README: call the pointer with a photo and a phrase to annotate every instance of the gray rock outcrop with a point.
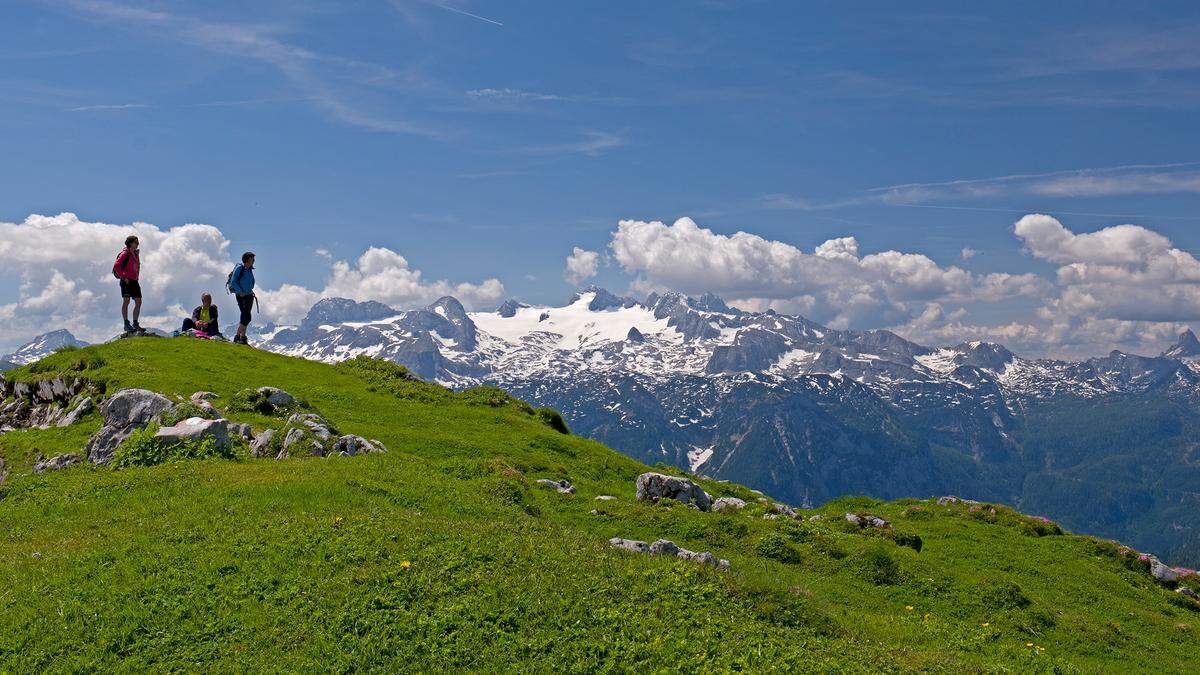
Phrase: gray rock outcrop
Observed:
(668, 548)
(84, 407)
(866, 520)
(1162, 572)
(350, 445)
(785, 510)
(312, 423)
(127, 411)
(630, 545)
(655, 486)
(261, 446)
(276, 397)
(56, 463)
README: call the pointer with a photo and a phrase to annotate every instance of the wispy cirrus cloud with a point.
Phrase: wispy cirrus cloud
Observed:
(115, 106)
(337, 85)
(1129, 179)
(508, 95)
(593, 144)
(464, 12)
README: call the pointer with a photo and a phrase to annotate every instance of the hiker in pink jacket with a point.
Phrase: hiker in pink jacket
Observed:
(127, 268)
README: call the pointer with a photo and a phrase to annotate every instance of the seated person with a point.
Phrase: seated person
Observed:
(204, 317)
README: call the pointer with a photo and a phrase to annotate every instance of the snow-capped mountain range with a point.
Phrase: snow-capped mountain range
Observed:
(39, 347)
(808, 413)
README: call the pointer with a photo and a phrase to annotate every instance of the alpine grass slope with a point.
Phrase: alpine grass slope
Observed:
(807, 413)
(446, 552)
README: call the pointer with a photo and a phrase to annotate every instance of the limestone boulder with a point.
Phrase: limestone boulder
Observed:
(728, 504)
(127, 411)
(655, 486)
(197, 429)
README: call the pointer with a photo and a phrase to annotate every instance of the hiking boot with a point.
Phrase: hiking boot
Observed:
(136, 327)
(128, 327)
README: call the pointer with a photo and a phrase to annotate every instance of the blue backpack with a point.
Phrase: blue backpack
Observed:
(230, 279)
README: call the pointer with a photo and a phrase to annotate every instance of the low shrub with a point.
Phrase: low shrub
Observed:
(377, 371)
(879, 566)
(251, 400)
(775, 546)
(1037, 526)
(828, 547)
(917, 513)
(1000, 595)
(512, 491)
(184, 411)
(553, 419)
(1106, 548)
(143, 448)
(912, 541)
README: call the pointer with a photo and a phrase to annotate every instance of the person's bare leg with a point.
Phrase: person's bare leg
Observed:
(137, 309)
(125, 310)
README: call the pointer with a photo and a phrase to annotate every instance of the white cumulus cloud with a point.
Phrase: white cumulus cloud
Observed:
(581, 265)
(835, 284)
(62, 266)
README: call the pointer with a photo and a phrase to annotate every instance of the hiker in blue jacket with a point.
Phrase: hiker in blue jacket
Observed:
(241, 284)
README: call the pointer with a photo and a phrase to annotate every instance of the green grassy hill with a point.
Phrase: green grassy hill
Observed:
(444, 552)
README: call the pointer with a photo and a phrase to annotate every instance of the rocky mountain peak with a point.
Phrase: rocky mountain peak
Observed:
(333, 311)
(449, 319)
(986, 355)
(1187, 346)
(709, 302)
(603, 299)
(508, 308)
(42, 346)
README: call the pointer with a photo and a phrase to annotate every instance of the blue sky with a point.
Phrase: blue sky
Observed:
(486, 140)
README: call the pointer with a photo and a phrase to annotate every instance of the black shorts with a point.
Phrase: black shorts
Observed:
(245, 304)
(130, 288)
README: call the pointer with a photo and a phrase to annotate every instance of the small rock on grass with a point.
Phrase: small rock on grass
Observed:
(630, 545)
(564, 486)
(866, 520)
(668, 548)
(276, 397)
(606, 498)
(730, 503)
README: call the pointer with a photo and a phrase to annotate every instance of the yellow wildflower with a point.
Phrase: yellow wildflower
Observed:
(404, 564)
(985, 624)
(908, 607)
(1028, 644)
